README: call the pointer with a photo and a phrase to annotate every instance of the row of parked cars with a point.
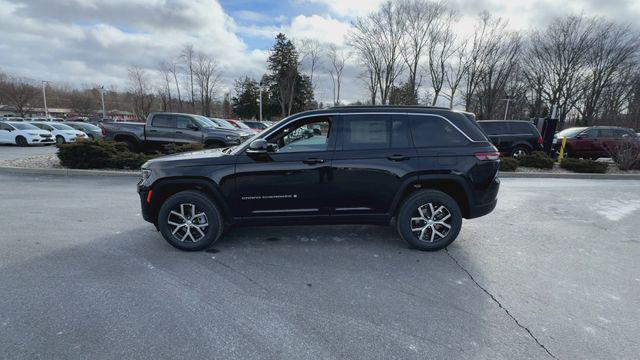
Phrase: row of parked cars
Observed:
(517, 138)
(35, 131)
(165, 127)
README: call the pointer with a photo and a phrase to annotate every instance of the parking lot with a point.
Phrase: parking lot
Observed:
(553, 272)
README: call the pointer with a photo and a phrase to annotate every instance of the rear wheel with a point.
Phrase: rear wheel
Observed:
(429, 220)
(131, 145)
(519, 151)
(21, 141)
(190, 221)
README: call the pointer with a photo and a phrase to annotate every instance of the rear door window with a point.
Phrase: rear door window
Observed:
(167, 121)
(430, 131)
(606, 133)
(494, 128)
(366, 132)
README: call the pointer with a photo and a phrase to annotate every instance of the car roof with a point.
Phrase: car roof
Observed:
(506, 121)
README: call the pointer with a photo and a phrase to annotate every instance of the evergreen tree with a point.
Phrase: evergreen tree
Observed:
(245, 103)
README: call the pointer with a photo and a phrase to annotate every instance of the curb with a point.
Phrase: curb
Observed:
(542, 175)
(67, 172)
(503, 175)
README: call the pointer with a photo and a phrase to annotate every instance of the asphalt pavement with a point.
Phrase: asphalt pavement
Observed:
(12, 152)
(553, 272)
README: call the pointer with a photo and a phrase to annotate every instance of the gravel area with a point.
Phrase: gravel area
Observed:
(34, 162)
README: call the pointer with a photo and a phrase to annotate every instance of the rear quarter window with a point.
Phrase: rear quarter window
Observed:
(494, 128)
(163, 121)
(431, 131)
(521, 129)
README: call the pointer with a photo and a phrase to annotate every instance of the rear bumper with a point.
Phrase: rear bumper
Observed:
(487, 200)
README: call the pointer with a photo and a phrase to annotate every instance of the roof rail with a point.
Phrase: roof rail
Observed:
(389, 106)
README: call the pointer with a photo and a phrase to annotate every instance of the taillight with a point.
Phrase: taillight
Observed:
(488, 156)
(539, 140)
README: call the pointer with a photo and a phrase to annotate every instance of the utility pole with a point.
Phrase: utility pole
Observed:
(260, 100)
(44, 96)
(506, 110)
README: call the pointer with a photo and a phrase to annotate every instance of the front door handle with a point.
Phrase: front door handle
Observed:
(178, 132)
(153, 130)
(397, 157)
(313, 161)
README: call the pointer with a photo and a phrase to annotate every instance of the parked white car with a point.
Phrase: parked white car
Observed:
(61, 132)
(23, 134)
(40, 119)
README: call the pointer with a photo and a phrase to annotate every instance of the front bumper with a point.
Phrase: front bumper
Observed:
(40, 140)
(146, 208)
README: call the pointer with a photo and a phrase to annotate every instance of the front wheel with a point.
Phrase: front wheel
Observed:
(429, 220)
(21, 141)
(190, 221)
(60, 140)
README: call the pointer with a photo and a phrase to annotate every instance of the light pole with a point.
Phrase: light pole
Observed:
(104, 112)
(260, 101)
(44, 96)
(506, 109)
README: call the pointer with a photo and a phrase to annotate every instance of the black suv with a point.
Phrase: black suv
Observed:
(513, 137)
(426, 167)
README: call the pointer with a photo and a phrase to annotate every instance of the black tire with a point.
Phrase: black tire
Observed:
(519, 151)
(196, 241)
(131, 145)
(60, 140)
(410, 210)
(21, 141)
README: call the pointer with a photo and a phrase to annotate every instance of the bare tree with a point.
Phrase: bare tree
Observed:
(420, 20)
(188, 56)
(377, 39)
(174, 68)
(310, 51)
(164, 68)
(456, 70)
(141, 92)
(83, 102)
(337, 59)
(558, 54)
(19, 92)
(441, 49)
(614, 49)
(207, 76)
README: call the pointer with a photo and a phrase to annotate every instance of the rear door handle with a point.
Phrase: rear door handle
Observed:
(178, 132)
(397, 157)
(153, 130)
(313, 161)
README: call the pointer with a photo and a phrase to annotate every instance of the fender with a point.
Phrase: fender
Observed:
(412, 180)
(172, 185)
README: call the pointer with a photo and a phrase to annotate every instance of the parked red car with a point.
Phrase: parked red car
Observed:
(241, 125)
(594, 142)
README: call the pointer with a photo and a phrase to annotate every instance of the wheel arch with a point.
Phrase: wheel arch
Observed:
(451, 185)
(165, 188)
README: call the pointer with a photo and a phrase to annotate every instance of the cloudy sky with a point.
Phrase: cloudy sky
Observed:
(88, 42)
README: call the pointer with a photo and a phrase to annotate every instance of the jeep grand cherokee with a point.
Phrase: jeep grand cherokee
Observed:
(426, 167)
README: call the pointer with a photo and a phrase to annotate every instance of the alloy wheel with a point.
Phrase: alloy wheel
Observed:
(519, 152)
(187, 223)
(431, 222)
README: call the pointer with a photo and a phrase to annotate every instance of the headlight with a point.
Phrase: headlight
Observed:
(32, 134)
(146, 173)
(231, 137)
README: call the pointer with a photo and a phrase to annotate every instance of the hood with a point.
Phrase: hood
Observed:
(192, 158)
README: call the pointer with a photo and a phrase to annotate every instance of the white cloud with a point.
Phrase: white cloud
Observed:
(350, 8)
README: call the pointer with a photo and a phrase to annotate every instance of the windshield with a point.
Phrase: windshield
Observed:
(61, 127)
(204, 122)
(571, 132)
(241, 125)
(223, 123)
(23, 126)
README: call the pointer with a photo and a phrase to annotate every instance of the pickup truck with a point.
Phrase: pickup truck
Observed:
(164, 128)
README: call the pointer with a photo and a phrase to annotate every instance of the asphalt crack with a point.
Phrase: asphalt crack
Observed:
(500, 305)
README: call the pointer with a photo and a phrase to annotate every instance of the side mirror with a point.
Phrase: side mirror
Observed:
(193, 127)
(258, 146)
(579, 137)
